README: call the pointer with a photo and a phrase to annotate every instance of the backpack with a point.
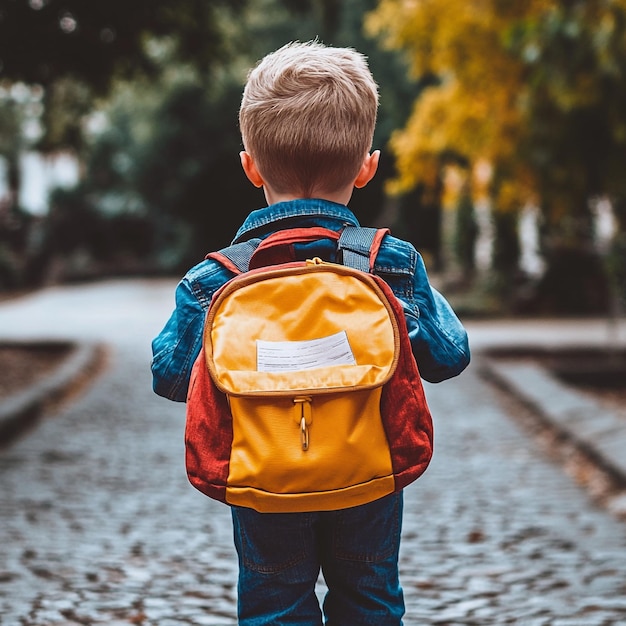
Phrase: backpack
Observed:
(305, 395)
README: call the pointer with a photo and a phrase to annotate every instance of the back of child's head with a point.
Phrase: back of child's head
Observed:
(307, 117)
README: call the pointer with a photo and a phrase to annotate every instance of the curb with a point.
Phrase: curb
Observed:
(23, 409)
(590, 426)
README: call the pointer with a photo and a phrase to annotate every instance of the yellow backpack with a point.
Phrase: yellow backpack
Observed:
(306, 395)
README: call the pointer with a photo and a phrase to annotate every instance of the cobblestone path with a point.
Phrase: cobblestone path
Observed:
(98, 524)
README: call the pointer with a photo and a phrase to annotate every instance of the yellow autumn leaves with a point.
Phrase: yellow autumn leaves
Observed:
(504, 71)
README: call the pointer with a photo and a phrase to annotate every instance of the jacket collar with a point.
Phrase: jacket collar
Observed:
(270, 218)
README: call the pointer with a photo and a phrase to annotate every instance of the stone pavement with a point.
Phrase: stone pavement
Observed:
(587, 424)
(98, 524)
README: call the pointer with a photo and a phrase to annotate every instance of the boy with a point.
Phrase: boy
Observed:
(307, 120)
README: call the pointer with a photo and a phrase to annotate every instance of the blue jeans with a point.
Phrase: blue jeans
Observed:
(280, 556)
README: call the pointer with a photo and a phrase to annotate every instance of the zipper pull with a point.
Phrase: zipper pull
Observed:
(315, 261)
(304, 417)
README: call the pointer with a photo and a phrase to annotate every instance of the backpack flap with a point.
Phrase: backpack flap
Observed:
(315, 327)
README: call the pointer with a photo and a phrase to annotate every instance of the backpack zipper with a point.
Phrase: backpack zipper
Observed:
(304, 416)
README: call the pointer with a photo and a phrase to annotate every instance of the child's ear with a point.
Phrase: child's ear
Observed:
(249, 167)
(368, 169)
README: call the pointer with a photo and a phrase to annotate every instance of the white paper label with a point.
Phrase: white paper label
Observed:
(294, 356)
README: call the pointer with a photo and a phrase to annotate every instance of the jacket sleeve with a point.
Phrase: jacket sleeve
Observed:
(176, 347)
(440, 342)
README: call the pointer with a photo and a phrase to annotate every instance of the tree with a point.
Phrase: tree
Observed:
(42, 41)
(11, 143)
(165, 146)
(76, 53)
(19, 108)
(75, 49)
(171, 147)
(536, 88)
(468, 108)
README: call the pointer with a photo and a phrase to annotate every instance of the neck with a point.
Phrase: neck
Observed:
(341, 197)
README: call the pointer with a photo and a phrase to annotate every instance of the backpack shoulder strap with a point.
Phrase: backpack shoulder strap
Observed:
(357, 247)
(236, 257)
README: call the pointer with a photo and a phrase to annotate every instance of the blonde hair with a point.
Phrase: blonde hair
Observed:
(307, 117)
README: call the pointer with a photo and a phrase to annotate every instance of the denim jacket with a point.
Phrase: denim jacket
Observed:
(438, 338)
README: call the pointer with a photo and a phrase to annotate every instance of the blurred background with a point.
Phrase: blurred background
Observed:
(502, 127)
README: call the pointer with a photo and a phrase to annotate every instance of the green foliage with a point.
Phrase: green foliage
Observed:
(146, 94)
(81, 241)
(190, 167)
(42, 41)
(67, 102)
(170, 149)
(168, 153)
(575, 60)
(10, 126)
